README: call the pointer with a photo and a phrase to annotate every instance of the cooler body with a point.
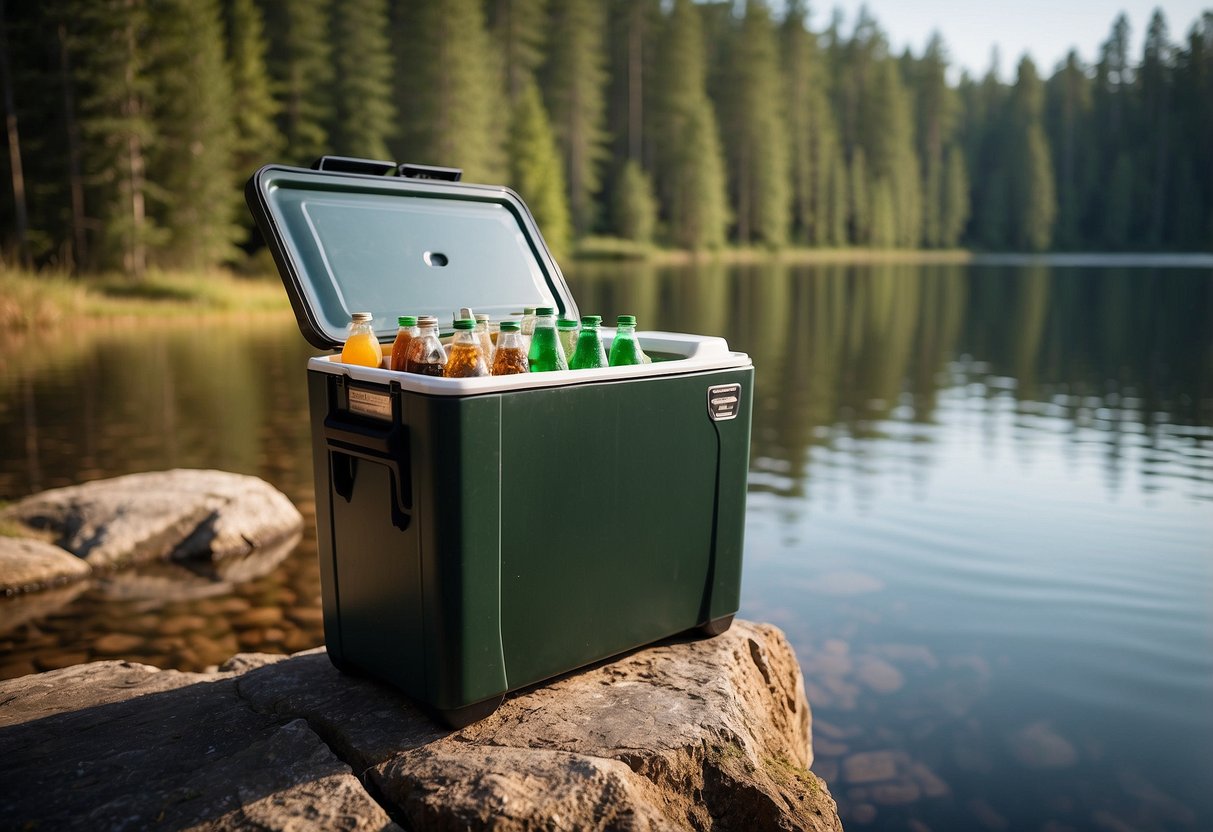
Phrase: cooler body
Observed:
(474, 544)
(480, 535)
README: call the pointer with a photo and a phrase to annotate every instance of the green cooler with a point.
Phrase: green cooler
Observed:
(480, 535)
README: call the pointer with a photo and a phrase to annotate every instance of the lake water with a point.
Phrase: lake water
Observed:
(980, 506)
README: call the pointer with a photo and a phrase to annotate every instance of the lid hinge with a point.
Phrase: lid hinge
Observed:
(351, 164)
(430, 172)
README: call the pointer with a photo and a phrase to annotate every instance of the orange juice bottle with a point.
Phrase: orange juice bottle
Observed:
(362, 347)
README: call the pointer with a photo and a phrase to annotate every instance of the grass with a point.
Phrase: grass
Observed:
(32, 300)
(614, 248)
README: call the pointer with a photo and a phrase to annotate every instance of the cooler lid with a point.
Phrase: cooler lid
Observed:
(393, 245)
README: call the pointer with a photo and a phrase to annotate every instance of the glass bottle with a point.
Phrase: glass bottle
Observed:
(545, 352)
(566, 329)
(590, 352)
(466, 359)
(426, 355)
(361, 345)
(510, 356)
(482, 334)
(528, 322)
(625, 349)
(400, 347)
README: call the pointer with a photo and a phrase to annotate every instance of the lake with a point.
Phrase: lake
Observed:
(980, 506)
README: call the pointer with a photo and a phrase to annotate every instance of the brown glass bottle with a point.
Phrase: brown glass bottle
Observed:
(465, 359)
(426, 355)
(404, 336)
(509, 357)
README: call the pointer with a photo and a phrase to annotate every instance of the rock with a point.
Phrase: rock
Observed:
(115, 644)
(879, 675)
(180, 514)
(165, 750)
(1039, 746)
(870, 767)
(704, 734)
(27, 565)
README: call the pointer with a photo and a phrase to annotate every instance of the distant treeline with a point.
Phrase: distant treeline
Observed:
(131, 125)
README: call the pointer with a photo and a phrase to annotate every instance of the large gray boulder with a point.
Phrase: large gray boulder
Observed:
(687, 735)
(213, 516)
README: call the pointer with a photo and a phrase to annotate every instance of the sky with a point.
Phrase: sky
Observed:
(1046, 29)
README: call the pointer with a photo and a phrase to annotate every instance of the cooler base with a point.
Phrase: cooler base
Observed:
(716, 626)
(465, 716)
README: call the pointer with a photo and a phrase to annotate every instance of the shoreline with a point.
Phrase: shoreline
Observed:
(30, 300)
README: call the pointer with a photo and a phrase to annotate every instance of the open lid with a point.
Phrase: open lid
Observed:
(395, 245)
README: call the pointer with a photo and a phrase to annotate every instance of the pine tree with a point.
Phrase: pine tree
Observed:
(954, 199)
(574, 84)
(1155, 101)
(519, 34)
(634, 209)
(535, 170)
(935, 118)
(253, 108)
(1192, 218)
(1118, 202)
(690, 180)
(448, 88)
(1068, 115)
(859, 199)
(1032, 199)
(987, 146)
(874, 117)
(191, 160)
(117, 127)
(362, 88)
(755, 137)
(301, 66)
(812, 135)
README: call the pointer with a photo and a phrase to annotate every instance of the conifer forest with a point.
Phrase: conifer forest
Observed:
(132, 125)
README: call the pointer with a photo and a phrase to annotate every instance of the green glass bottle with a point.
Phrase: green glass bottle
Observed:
(590, 352)
(566, 328)
(546, 354)
(625, 349)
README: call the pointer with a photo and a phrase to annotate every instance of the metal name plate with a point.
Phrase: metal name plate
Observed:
(370, 403)
(724, 402)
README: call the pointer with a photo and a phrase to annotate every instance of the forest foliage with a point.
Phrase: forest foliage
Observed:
(131, 125)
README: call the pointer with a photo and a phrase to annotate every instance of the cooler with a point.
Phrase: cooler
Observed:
(480, 535)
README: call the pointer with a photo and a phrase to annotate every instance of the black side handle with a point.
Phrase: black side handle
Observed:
(380, 440)
(351, 164)
(430, 172)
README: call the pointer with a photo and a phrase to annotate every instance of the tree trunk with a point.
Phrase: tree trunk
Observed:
(14, 148)
(74, 154)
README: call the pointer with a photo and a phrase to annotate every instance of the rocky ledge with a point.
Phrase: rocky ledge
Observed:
(710, 734)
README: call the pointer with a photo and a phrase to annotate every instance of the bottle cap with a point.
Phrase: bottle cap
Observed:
(510, 326)
(545, 310)
(427, 320)
(626, 320)
(362, 317)
(465, 323)
(406, 320)
(528, 310)
(482, 318)
(591, 320)
(566, 323)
